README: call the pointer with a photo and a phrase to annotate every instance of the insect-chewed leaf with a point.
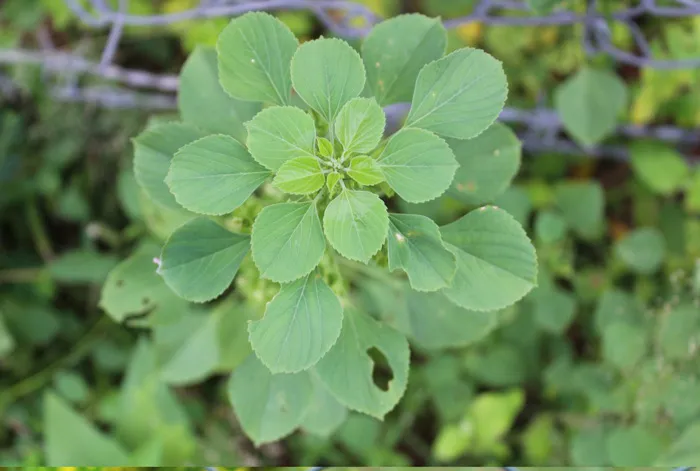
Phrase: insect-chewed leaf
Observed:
(279, 134)
(396, 50)
(365, 170)
(360, 125)
(268, 406)
(200, 259)
(326, 74)
(153, 151)
(415, 246)
(287, 241)
(204, 103)
(347, 369)
(300, 176)
(496, 263)
(300, 325)
(214, 175)
(460, 95)
(255, 51)
(589, 104)
(418, 165)
(356, 224)
(487, 164)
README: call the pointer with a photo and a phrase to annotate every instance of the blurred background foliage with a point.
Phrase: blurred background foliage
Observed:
(597, 367)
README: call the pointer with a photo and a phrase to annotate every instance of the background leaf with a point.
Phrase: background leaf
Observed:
(660, 167)
(643, 249)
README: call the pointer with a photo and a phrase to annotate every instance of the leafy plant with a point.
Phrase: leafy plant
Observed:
(287, 159)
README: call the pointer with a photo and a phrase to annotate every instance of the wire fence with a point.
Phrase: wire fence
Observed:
(540, 128)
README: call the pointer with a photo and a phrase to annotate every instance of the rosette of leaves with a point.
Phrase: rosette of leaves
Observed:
(307, 122)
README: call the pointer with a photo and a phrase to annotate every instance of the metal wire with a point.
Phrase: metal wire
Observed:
(128, 88)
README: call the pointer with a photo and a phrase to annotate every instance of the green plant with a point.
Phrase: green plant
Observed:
(309, 118)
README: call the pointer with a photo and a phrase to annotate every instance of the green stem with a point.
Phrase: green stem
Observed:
(20, 275)
(36, 226)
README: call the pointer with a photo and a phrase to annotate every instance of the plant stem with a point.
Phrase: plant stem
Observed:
(20, 275)
(41, 239)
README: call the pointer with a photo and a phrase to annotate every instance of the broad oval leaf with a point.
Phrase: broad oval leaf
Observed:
(487, 164)
(287, 241)
(589, 104)
(204, 103)
(360, 126)
(460, 95)
(347, 368)
(153, 151)
(300, 176)
(643, 250)
(659, 166)
(415, 246)
(254, 53)
(200, 259)
(365, 170)
(496, 263)
(301, 323)
(279, 134)
(327, 73)
(268, 406)
(396, 50)
(214, 175)
(356, 224)
(418, 165)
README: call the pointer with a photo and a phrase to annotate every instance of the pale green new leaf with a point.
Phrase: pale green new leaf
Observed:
(487, 164)
(360, 125)
(204, 103)
(332, 180)
(214, 175)
(589, 104)
(396, 50)
(496, 263)
(200, 259)
(268, 406)
(418, 165)
(356, 224)
(287, 241)
(254, 53)
(325, 414)
(347, 368)
(300, 176)
(153, 151)
(365, 170)
(415, 246)
(327, 73)
(279, 134)
(301, 323)
(460, 95)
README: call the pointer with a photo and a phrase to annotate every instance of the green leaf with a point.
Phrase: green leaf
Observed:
(300, 325)
(418, 165)
(496, 263)
(678, 332)
(624, 345)
(214, 175)
(365, 170)
(659, 166)
(684, 450)
(589, 104)
(633, 446)
(300, 176)
(332, 181)
(201, 258)
(81, 266)
(396, 50)
(268, 406)
(554, 308)
(487, 164)
(279, 134)
(347, 369)
(415, 246)
(617, 306)
(327, 73)
(153, 150)
(582, 205)
(491, 415)
(7, 342)
(325, 147)
(550, 226)
(643, 249)
(356, 224)
(360, 125)
(204, 103)
(325, 414)
(589, 447)
(85, 445)
(255, 51)
(460, 95)
(287, 241)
